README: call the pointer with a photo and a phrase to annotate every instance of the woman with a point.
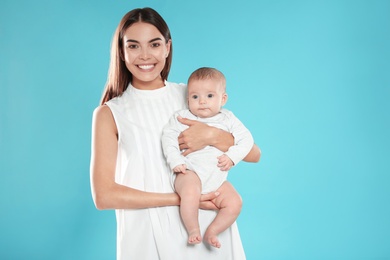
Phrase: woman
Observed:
(128, 170)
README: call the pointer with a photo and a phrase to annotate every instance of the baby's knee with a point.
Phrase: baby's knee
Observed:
(232, 204)
(236, 203)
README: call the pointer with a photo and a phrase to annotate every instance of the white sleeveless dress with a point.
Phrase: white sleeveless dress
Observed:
(156, 233)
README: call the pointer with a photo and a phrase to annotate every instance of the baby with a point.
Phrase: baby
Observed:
(205, 170)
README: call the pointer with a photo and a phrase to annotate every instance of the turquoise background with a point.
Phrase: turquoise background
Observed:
(310, 79)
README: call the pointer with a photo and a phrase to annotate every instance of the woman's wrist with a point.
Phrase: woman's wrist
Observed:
(213, 136)
(221, 139)
(174, 199)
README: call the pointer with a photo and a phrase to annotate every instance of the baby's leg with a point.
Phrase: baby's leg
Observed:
(230, 203)
(188, 187)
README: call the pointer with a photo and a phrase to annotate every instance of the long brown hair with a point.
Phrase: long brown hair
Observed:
(119, 76)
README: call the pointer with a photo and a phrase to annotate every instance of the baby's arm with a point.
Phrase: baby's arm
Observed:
(242, 138)
(224, 162)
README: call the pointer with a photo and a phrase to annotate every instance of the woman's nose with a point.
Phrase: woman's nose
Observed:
(144, 54)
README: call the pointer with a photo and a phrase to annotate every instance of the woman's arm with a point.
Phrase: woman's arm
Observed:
(253, 155)
(107, 194)
(198, 135)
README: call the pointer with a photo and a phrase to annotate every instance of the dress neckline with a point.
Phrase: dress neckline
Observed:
(147, 93)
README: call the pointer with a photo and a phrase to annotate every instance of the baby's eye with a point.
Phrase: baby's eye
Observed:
(210, 95)
(194, 96)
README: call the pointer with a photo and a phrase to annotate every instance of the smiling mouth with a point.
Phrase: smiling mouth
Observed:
(146, 67)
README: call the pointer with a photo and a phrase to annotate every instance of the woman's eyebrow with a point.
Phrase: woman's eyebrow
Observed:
(155, 39)
(130, 40)
(152, 40)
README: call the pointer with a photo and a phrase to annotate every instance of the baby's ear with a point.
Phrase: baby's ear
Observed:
(224, 99)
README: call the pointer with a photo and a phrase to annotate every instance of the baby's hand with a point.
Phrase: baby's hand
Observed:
(224, 162)
(180, 168)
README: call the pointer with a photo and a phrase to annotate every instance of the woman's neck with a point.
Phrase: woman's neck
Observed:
(148, 85)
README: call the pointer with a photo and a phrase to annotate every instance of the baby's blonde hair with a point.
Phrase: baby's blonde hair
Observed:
(208, 73)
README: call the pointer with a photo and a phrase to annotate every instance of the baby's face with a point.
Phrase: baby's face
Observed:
(206, 97)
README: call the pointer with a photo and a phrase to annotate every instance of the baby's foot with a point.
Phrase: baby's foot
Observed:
(194, 237)
(212, 239)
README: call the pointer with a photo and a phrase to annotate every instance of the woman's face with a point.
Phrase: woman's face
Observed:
(145, 52)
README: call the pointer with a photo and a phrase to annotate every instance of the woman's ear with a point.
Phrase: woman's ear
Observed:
(168, 46)
(121, 56)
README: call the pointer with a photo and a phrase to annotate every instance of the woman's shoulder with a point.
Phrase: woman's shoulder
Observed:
(102, 115)
(118, 104)
(175, 85)
(102, 111)
(180, 87)
(115, 100)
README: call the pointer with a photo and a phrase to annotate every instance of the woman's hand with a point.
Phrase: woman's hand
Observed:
(207, 201)
(198, 135)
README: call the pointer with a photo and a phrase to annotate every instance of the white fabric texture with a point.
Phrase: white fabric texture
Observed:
(156, 233)
(204, 162)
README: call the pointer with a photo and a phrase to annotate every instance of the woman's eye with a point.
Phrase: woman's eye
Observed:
(156, 44)
(133, 46)
(210, 95)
